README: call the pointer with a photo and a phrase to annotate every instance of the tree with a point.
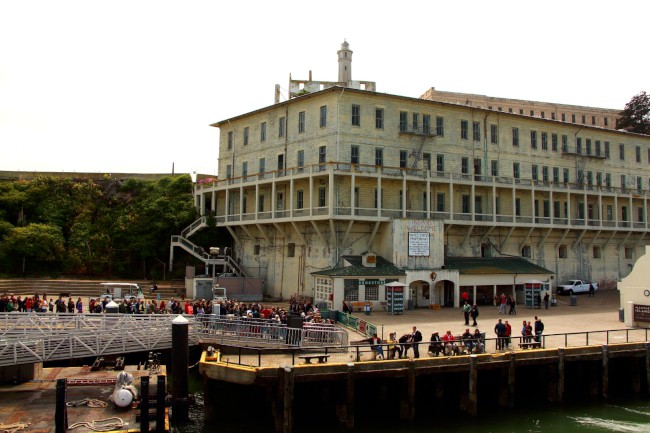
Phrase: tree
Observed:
(636, 115)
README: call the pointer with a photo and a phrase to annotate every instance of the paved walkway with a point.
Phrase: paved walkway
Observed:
(590, 314)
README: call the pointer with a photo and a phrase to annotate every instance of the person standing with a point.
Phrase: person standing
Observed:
(539, 329)
(502, 305)
(417, 338)
(592, 289)
(466, 310)
(546, 301)
(500, 330)
(513, 305)
(508, 333)
(474, 314)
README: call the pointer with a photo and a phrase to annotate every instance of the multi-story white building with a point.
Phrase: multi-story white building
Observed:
(341, 171)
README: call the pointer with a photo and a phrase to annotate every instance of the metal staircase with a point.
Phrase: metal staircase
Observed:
(227, 264)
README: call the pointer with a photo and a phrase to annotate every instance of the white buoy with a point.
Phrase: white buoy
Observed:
(123, 398)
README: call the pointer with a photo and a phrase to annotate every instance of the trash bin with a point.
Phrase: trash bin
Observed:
(411, 304)
(574, 300)
(553, 301)
(621, 315)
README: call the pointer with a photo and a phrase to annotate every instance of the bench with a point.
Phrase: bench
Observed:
(373, 352)
(359, 306)
(322, 359)
(531, 345)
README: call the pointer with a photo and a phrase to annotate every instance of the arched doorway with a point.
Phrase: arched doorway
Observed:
(443, 293)
(420, 293)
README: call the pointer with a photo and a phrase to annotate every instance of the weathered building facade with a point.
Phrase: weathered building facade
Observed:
(337, 171)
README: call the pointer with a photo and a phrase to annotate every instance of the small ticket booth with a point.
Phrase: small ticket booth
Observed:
(534, 292)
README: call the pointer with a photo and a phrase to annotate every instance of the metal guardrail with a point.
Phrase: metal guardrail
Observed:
(268, 333)
(39, 337)
(356, 323)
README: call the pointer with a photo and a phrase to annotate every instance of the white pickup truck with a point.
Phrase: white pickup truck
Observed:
(575, 286)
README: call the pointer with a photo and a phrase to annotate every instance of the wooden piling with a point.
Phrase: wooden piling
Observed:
(61, 411)
(472, 398)
(349, 404)
(286, 383)
(560, 375)
(180, 369)
(646, 346)
(511, 381)
(161, 389)
(144, 404)
(605, 372)
(407, 407)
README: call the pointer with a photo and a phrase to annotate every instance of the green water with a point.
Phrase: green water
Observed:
(628, 416)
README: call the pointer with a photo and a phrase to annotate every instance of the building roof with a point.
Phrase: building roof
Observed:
(384, 268)
(498, 265)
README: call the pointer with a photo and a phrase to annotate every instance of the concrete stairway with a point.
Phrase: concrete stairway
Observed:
(80, 288)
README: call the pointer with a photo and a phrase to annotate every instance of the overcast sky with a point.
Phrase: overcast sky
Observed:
(132, 86)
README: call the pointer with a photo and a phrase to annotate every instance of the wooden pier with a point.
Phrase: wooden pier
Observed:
(471, 384)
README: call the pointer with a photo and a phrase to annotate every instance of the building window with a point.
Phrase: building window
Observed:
(356, 197)
(465, 203)
(351, 290)
(515, 170)
(563, 117)
(260, 203)
(244, 169)
(403, 155)
(565, 175)
(322, 154)
(279, 201)
(301, 160)
(379, 118)
(440, 163)
(262, 165)
(532, 112)
(281, 126)
(544, 141)
(416, 121)
(607, 150)
(534, 171)
(263, 131)
(608, 180)
(593, 120)
(579, 145)
(606, 120)
(403, 121)
(598, 149)
(545, 174)
(599, 179)
(562, 252)
(526, 251)
(621, 152)
(356, 115)
(638, 153)
(476, 131)
(521, 111)
(590, 178)
(623, 182)
(494, 134)
(573, 118)
(246, 135)
(280, 162)
(565, 143)
(256, 249)
(426, 124)
(372, 292)
(354, 154)
(554, 142)
(379, 156)
(230, 139)
(440, 202)
(323, 116)
(629, 253)
(464, 165)
(639, 214)
(556, 209)
(426, 161)
(301, 121)
(494, 165)
(556, 175)
(515, 136)
(228, 171)
(517, 206)
(440, 129)
(533, 139)
(300, 199)
(584, 119)
(291, 249)
(588, 146)
(543, 115)
(463, 129)
(321, 197)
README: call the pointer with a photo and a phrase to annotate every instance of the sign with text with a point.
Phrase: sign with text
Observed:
(642, 313)
(418, 244)
(371, 282)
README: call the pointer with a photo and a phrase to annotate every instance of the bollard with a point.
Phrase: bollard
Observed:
(180, 368)
(61, 411)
